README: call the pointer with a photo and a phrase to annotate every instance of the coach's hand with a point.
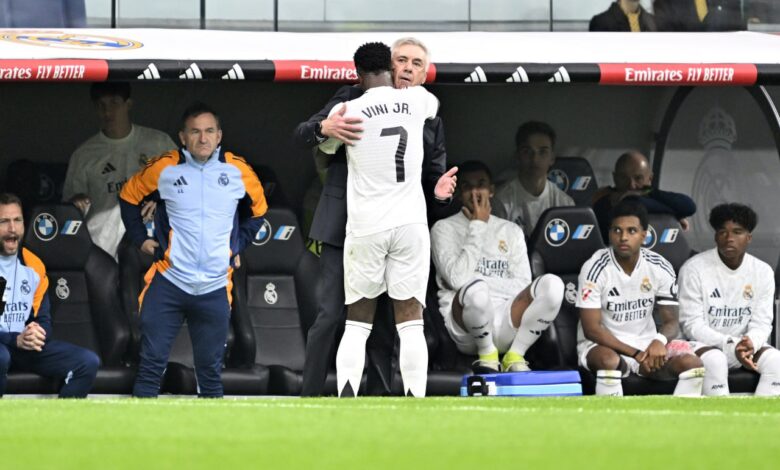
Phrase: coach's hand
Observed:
(344, 129)
(446, 185)
(149, 246)
(147, 211)
(82, 202)
(31, 338)
(744, 351)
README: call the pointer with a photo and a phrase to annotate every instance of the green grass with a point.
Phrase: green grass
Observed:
(474, 433)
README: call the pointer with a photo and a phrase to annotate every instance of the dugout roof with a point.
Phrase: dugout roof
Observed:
(667, 59)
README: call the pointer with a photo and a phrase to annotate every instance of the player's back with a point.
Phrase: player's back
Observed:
(384, 187)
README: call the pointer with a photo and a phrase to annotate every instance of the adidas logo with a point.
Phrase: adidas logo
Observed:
(561, 76)
(518, 76)
(150, 73)
(192, 73)
(180, 182)
(108, 169)
(715, 294)
(614, 292)
(235, 73)
(477, 76)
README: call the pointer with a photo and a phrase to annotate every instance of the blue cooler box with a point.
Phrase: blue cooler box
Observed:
(523, 384)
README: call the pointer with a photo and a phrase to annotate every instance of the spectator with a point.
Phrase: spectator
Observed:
(623, 15)
(101, 165)
(633, 177)
(699, 15)
(523, 199)
(487, 297)
(619, 287)
(26, 342)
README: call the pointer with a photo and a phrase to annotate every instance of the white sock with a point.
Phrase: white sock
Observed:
(547, 292)
(689, 383)
(609, 382)
(769, 368)
(351, 356)
(413, 357)
(716, 373)
(478, 315)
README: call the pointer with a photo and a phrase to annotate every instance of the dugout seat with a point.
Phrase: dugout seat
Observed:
(83, 283)
(665, 237)
(575, 176)
(179, 379)
(273, 289)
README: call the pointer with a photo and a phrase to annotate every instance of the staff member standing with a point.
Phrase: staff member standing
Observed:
(210, 204)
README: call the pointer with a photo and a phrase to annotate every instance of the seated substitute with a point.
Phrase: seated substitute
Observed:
(523, 199)
(104, 162)
(618, 288)
(623, 15)
(633, 177)
(25, 324)
(486, 295)
(726, 300)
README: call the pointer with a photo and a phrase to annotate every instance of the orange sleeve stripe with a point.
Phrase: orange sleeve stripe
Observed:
(145, 181)
(35, 263)
(251, 182)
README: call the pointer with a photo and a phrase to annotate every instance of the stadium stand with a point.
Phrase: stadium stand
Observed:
(83, 281)
(575, 176)
(273, 290)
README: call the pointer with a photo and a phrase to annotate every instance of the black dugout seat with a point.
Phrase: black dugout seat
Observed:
(665, 237)
(575, 176)
(563, 240)
(83, 283)
(179, 379)
(274, 289)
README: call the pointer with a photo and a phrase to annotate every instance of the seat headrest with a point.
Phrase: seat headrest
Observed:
(665, 237)
(575, 176)
(58, 235)
(565, 237)
(278, 245)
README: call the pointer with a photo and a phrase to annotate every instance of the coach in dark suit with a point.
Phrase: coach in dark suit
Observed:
(410, 65)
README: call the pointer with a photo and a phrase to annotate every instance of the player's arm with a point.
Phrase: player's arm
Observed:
(520, 273)
(595, 331)
(456, 259)
(693, 315)
(306, 133)
(760, 325)
(76, 186)
(679, 204)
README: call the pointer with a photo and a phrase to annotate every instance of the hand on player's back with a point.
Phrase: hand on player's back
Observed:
(344, 129)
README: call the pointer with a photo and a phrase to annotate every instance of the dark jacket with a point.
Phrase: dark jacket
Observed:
(330, 218)
(615, 20)
(680, 15)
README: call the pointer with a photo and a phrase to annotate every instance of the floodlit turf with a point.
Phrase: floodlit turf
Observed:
(474, 433)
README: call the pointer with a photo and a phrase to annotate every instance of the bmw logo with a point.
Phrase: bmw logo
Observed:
(650, 238)
(45, 227)
(560, 178)
(557, 232)
(264, 234)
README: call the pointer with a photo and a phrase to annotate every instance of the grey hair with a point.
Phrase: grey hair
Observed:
(414, 42)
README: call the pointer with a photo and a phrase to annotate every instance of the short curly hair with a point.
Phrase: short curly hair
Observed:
(735, 212)
(373, 57)
(630, 206)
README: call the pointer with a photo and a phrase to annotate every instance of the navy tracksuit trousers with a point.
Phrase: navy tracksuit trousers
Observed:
(75, 366)
(164, 309)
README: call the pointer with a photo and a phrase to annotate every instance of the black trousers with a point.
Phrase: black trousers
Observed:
(325, 334)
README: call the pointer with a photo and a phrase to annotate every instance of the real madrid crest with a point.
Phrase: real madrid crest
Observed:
(62, 290)
(646, 286)
(747, 292)
(502, 246)
(571, 293)
(270, 295)
(223, 179)
(25, 287)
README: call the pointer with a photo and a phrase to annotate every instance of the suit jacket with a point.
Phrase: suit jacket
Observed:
(330, 217)
(680, 15)
(615, 20)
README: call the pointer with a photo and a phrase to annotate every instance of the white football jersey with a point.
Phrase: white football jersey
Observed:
(493, 251)
(514, 203)
(626, 302)
(384, 187)
(717, 303)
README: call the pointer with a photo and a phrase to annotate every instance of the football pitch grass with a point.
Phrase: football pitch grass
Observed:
(474, 433)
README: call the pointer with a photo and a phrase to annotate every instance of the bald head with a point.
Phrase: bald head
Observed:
(632, 172)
